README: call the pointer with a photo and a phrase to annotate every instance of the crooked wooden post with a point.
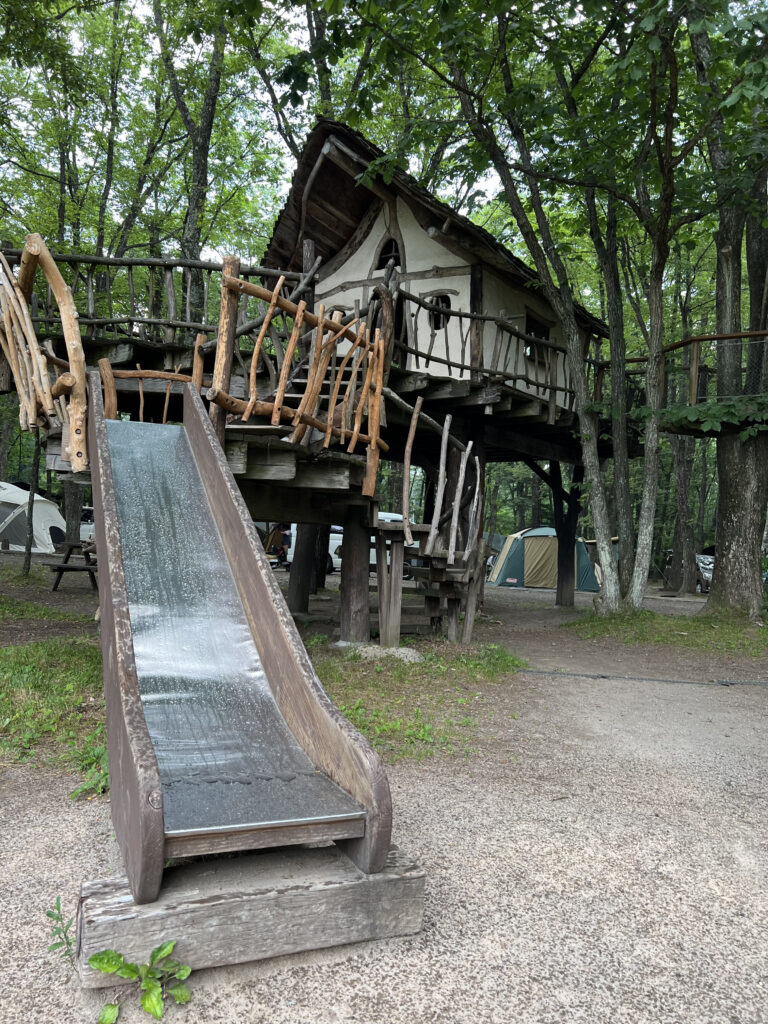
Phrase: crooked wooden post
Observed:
(693, 386)
(225, 347)
(70, 323)
(355, 617)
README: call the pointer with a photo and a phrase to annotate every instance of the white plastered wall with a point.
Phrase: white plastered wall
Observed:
(423, 256)
(499, 297)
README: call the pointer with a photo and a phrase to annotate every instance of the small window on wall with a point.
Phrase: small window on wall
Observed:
(439, 320)
(389, 250)
(538, 329)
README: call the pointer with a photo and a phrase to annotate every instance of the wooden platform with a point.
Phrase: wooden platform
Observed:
(251, 907)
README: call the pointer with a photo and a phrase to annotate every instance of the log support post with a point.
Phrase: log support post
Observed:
(432, 608)
(453, 607)
(225, 345)
(693, 386)
(320, 568)
(355, 616)
(390, 579)
(300, 581)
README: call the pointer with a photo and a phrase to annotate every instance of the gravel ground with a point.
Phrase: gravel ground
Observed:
(601, 858)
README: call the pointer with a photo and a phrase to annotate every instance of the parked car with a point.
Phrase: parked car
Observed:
(335, 542)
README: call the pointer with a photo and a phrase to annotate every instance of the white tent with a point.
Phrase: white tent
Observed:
(49, 525)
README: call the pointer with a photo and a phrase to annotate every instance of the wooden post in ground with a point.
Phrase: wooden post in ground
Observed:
(390, 577)
(452, 619)
(300, 581)
(320, 568)
(225, 346)
(33, 482)
(475, 591)
(432, 608)
(355, 617)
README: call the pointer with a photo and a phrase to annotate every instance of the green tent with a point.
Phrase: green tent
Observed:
(529, 559)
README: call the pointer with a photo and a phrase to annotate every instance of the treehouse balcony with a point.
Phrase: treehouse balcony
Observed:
(710, 383)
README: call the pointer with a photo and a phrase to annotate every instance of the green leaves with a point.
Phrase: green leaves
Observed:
(161, 952)
(159, 977)
(152, 1001)
(63, 942)
(109, 1013)
(180, 993)
(746, 415)
(108, 961)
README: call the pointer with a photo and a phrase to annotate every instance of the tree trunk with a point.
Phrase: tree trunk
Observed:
(607, 250)
(743, 493)
(684, 556)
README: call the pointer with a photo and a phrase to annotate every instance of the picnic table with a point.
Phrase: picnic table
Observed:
(86, 564)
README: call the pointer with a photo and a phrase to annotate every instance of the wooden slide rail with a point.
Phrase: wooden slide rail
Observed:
(42, 403)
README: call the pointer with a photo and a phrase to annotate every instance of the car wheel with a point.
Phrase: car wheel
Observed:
(329, 566)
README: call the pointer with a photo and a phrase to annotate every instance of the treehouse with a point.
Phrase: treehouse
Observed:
(471, 326)
(382, 325)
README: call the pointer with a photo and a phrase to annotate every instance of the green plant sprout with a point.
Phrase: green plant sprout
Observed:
(161, 976)
(63, 942)
(93, 759)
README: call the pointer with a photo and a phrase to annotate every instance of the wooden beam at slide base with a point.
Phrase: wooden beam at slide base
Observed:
(488, 395)
(251, 907)
(408, 382)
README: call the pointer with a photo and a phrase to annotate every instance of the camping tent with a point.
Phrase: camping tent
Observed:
(529, 559)
(49, 525)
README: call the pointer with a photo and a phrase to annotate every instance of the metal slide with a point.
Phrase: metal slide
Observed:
(218, 757)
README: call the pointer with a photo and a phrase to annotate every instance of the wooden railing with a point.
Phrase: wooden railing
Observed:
(44, 402)
(155, 303)
(689, 369)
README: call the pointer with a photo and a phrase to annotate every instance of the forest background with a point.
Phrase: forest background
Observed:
(621, 148)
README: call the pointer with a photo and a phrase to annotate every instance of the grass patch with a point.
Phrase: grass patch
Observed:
(695, 632)
(12, 609)
(415, 709)
(12, 576)
(51, 701)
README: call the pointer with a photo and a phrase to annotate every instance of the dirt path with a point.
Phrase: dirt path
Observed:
(600, 856)
(528, 624)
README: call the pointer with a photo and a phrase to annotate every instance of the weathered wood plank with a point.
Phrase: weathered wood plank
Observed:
(251, 908)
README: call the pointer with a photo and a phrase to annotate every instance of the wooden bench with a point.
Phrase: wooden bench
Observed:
(88, 564)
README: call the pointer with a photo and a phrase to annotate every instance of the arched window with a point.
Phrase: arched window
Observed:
(438, 320)
(389, 249)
